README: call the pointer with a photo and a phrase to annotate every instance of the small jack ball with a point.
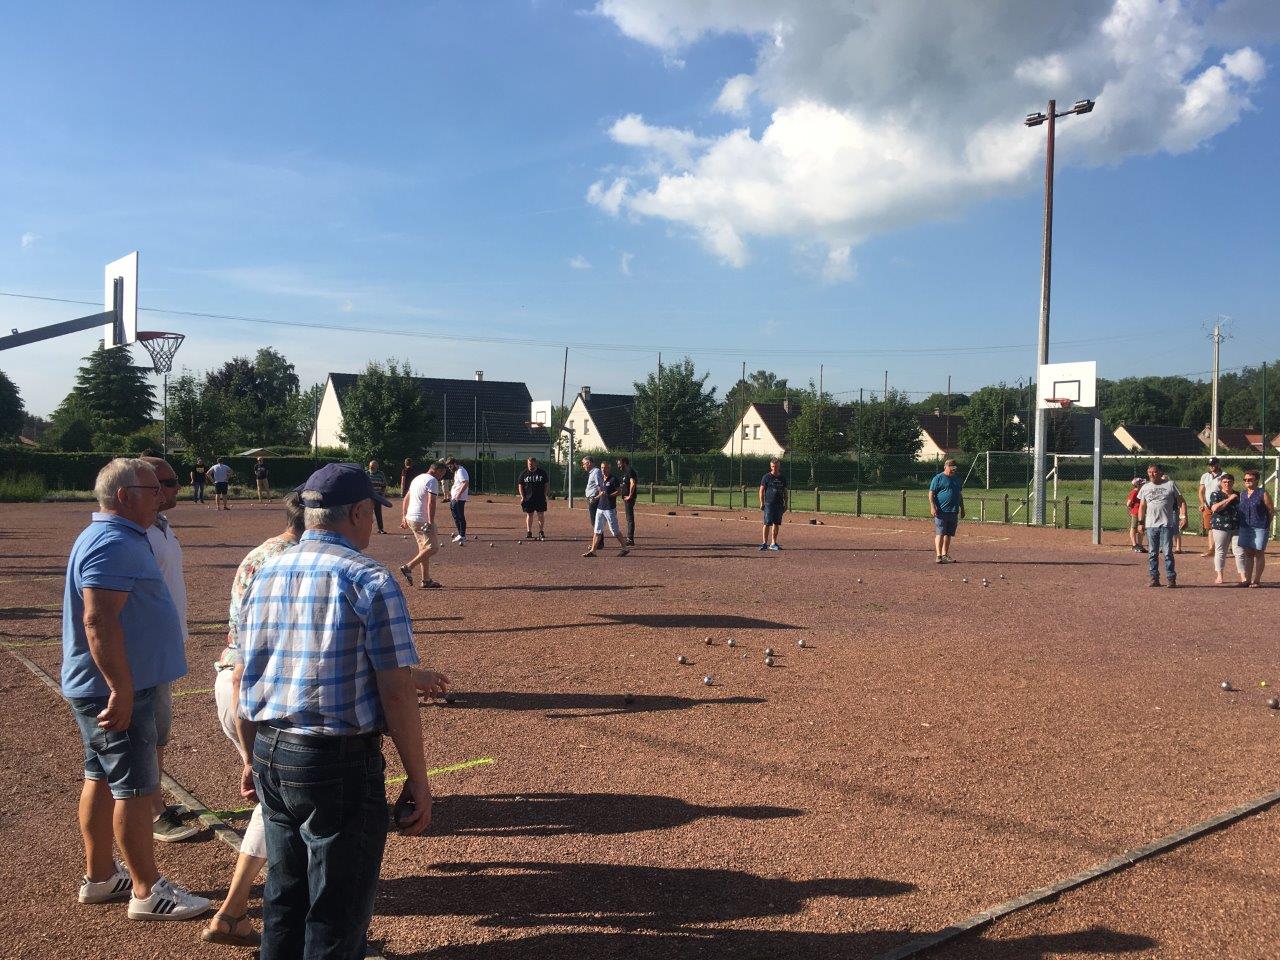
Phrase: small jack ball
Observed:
(768, 651)
(768, 661)
(1226, 684)
(1273, 703)
(682, 659)
(708, 680)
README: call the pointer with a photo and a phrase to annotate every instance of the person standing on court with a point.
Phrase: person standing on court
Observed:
(379, 481)
(168, 826)
(221, 475)
(532, 487)
(630, 481)
(1134, 505)
(594, 481)
(327, 644)
(1256, 511)
(773, 504)
(1224, 524)
(459, 493)
(1166, 514)
(1207, 486)
(262, 478)
(407, 473)
(418, 514)
(946, 506)
(199, 473)
(607, 511)
(121, 638)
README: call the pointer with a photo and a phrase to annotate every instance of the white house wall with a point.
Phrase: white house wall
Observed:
(328, 419)
(753, 438)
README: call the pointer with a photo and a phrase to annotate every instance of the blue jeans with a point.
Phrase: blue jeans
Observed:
(197, 492)
(325, 813)
(1160, 539)
(459, 510)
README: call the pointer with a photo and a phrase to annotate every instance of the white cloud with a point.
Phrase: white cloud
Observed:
(580, 262)
(886, 113)
(624, 263)
(29, 239)
(736, 94)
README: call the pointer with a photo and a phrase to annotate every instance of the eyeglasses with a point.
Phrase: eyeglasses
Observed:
(170, 483)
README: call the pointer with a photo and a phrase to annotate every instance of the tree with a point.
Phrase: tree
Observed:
(676, 413)
(941, 402)
(989, 422)
(112, 392)
(12, 412)
(261, 396)
(197, 416)
(887, 426)
(384, 414)
(761, 386)
(819, 427)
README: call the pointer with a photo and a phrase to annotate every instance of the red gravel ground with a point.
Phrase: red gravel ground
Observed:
(935, 748)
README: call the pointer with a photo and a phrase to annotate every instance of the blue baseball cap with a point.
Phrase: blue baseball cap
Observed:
(337, 485)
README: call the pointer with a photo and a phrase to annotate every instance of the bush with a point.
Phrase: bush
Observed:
(21, 488)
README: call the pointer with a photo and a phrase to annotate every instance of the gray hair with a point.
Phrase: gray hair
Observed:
(324, 516)
(116, 475)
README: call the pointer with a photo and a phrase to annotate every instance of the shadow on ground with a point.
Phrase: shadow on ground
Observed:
(592, 814)
(567, 705)
(709, 621)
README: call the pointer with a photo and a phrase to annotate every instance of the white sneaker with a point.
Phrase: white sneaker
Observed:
(119, 886)
(168, 901)
(457, 538)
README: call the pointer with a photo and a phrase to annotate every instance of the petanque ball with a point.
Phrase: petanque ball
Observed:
(682, 659)
(768, 651)
(1273, 703)
(800, 642)
(707, 641)
(731, 642)
(449, 698)
(965, 580)
(768, 661)
(1225, 684)
(708, 680)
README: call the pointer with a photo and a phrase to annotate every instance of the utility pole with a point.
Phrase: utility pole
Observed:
(564, 377)
(657, 423)
(1217, 336)
(1046, 273)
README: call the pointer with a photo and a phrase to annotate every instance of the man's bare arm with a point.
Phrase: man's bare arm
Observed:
(399, 698)
(105, 634)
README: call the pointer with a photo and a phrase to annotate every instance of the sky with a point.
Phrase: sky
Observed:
(786, 183)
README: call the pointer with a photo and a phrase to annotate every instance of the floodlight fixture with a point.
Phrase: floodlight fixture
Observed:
(1082, 106)
(1035, 119)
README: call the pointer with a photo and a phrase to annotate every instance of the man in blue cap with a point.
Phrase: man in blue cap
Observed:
(327, 646)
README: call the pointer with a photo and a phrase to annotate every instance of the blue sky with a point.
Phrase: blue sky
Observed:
(429, 168)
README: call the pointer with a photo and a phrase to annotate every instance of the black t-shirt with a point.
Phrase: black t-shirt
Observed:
(406, 478)
(533, 485)
(260, 471)
(198, 473)
(608, 493)
(774, 489)
(629, 475)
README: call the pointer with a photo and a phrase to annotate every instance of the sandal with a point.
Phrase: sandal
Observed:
(230, 938)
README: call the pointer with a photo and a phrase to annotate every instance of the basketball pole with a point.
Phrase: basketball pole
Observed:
(1097, 476)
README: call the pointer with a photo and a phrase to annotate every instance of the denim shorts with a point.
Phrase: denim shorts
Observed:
(771, 515)
(1253, 538)
(125, 759)
(944, 524)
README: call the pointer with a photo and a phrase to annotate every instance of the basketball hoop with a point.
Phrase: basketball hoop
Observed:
(1063, 402)
(162, 347)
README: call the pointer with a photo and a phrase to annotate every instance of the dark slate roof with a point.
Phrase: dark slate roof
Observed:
(778, 420)
(1072, 432)
(1165, 441)
(614, 417)
(497, 410)
(943, 429)
(1231, 438)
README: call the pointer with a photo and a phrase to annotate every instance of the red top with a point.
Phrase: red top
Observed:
(1135, 508)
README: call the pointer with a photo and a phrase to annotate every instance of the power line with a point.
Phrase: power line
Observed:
(611, 347)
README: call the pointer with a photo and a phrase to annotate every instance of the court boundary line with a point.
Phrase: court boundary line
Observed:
(1123, 861)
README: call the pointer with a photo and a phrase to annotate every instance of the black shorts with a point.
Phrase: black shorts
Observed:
(221, 488)
(533, 506)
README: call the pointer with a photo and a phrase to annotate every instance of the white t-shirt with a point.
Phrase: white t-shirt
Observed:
(460, 476)
(1210, 484)
(168, 554)
(219, 473)
(423, 484)
(595, 480)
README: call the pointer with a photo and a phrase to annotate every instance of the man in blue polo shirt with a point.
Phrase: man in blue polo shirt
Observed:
(121, 638)
(946, 504)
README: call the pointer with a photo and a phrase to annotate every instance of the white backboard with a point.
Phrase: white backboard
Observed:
(1076, 381)
(126, 269)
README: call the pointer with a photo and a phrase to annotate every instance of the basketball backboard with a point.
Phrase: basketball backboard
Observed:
(1075, 381)
(126, 271)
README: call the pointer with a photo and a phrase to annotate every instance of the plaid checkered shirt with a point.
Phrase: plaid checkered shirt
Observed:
(315, 624)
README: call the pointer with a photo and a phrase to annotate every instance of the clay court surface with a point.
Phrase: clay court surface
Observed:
(936, 747)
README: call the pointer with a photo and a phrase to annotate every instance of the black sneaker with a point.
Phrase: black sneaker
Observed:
(1172, 583)
(169, 828)
(528, 535)
(1154, 582)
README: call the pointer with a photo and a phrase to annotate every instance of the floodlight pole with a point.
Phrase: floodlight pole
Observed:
(1046, 271)
(1097, 477)
(568, 465)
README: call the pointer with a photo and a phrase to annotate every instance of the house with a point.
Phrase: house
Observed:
(762, 431)
(1159, 441)
(1229, 438)
(939, 433)
(602, 421)
(471, 418)
(1255, 442)
(1071, 432)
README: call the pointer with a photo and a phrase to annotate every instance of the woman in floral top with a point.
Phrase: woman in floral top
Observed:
(1224, 505)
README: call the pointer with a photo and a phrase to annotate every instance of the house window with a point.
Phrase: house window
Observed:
(756, 430)
(586, 427)
(746, 433)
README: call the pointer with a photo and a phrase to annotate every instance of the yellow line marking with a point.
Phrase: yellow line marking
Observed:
(31, 643)
(187, 693)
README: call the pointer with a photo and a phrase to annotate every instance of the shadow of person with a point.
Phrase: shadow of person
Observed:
(556, 705)
(532, 894)
(721, 944)
(710, 621)
(562, 814)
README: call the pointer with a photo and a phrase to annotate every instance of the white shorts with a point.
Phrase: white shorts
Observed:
(606, 516)
(254, 843)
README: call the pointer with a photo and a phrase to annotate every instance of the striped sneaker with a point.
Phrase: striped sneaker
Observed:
(119, 886)
(168, 901)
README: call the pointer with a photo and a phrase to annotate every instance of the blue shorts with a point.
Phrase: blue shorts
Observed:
(944, 524)
(125, 759)
(1252, 538)
(772, 514)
